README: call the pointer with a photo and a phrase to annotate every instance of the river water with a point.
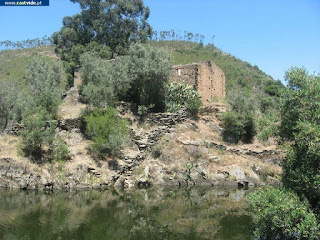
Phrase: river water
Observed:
(155, 213)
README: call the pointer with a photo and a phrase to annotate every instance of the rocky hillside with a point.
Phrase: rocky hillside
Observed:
(164, 149)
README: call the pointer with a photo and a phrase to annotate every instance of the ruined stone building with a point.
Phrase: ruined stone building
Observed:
(206, 77)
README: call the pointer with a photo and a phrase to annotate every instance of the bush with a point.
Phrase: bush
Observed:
(156, 151)
(45, 79)
(8, 95)
(302, 166)
(233, 127)
(238, 127)
(273, 88)
(104, 82)
(241, 102)
(279, 214)
(60, 150)
(179, 95)
(268, 125)
(239, 123)
(300, 102)
(38, 131)
(266, 103)
(148, 70)
(107, 130)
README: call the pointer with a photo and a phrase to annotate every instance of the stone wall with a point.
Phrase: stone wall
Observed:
(206, 77)
(65, 124)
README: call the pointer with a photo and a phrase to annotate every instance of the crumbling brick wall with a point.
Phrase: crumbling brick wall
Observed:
(206, 77)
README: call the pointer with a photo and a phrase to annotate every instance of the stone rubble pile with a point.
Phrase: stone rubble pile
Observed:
(146, 139)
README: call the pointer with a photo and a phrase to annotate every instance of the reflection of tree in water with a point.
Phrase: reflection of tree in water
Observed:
(123, 214)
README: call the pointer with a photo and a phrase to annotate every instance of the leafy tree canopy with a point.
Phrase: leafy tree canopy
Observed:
(112, 23)
(301, 102)
(300, 123)
(46, 82)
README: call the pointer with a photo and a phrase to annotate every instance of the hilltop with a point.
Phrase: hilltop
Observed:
(240, 75)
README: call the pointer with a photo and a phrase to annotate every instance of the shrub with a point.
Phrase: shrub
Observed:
(45, 79)
(239, 123)
(8, 94)
(302, 166)
(273, 88)
(266, 103)
(104, 82)
(279, 214)
(268, 125)
(179, 95)
(241, 102)
(107, 130)
(148, 70)
(60, 150)
(238, 127)
(156, 151)
(38, 131)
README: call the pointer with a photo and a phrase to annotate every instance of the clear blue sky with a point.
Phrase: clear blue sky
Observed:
(273, 34)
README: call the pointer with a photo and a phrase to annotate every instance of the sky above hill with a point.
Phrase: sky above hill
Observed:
(273, 34)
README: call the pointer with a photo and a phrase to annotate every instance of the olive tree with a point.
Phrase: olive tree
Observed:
(148, 69)
(8, 93)
(45, 80)
(104, 82)
(140, 77)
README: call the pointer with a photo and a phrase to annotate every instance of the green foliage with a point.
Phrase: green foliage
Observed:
(60, 150)
(273, 88)
(233, 124)
(268, 125)
(156, 151)
(38, 131)
(13, 63)
(301, 102)
(266, 103)
(115, 24)
(240, 102)
(302, 165)
(104, 82)
(239, 123)
(300, 123)
(108, 131)
(148, 71)
(46, 82)
(8, 94)
(179, 95)
(279, 214)
(139, 77)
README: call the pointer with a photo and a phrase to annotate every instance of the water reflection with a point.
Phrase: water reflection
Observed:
(131, 214)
